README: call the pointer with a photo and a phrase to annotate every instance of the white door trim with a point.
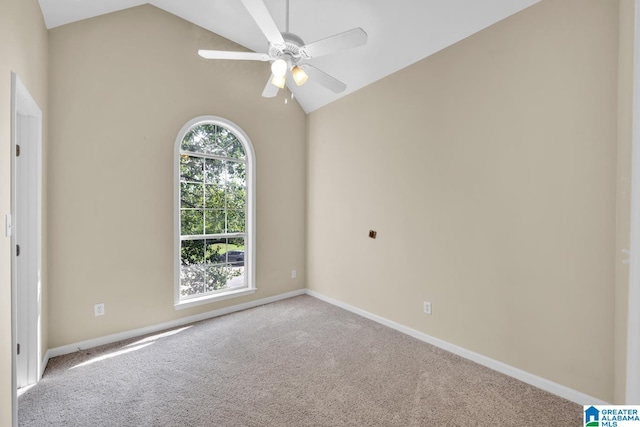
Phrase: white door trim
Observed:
(26, 131)
(632, 395)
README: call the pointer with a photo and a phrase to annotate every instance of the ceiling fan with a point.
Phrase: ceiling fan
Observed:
(287, 52)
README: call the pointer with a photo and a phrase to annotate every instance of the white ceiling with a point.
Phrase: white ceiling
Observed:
(401, 32)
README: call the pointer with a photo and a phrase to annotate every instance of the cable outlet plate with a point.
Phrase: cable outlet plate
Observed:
(98, 309)
(427, 307)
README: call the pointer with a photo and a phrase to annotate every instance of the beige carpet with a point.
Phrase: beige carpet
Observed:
(297, 362)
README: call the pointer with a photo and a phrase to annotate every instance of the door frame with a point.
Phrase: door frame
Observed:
(632, 394)
(26, 114)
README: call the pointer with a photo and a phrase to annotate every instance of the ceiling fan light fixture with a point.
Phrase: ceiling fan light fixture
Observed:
(286, 49)
(279, 81)
(279, 67)
(299, 76)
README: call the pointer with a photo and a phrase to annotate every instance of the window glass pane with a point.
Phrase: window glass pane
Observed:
(237, 278)
(237, 243)
(214, 222)
(236, 186)
(215, 172)
(235, 221)
(236, 197)
(236, 258)
(191, 280)
(215, 251)
(193, 140)
(234, 148)
(235, 251)
(191, 222)
(191, 195)
(214, 197)
(225, 136)
(213, 144)
(191, 168)
(216, 277)
(192, 252)
(236, 172)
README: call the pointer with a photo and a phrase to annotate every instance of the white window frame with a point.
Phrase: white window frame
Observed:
(250, 244)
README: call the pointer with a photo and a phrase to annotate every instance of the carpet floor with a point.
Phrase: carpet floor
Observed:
(296, 362)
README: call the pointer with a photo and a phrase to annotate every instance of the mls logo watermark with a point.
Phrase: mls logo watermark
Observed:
(611, 415)
(592, 417)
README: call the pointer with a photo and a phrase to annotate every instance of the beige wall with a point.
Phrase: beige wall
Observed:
(23, 49)
(623, 202)
(123, 85)
(489, 172)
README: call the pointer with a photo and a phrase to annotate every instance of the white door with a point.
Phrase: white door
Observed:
(26, 175)
(22, 342)
(25, 239)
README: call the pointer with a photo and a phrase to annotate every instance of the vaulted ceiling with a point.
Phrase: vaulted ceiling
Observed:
(400, 32)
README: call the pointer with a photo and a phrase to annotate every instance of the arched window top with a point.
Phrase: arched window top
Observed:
(211, 138)
(214, 212)
(215, 136)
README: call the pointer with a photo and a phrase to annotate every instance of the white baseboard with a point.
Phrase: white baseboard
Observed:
(71, 348)
(43, 365)
(526, 377)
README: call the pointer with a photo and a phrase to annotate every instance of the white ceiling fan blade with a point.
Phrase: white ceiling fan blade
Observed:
(225, 54)
(259, 12)
(323, 78)
(352, 38)
(270, 90)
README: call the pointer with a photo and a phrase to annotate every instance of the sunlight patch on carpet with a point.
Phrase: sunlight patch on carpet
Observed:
(110, 355)
(158, 336)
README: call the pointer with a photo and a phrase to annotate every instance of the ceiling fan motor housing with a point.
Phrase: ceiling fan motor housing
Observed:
(292, 44)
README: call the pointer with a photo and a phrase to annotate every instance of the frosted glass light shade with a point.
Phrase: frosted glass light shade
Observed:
(279, 81)
(279, 67)
(299, 76)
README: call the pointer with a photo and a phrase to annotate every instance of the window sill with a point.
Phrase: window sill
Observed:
(193, 302)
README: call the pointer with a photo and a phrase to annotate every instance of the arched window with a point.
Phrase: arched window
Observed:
(214, 212)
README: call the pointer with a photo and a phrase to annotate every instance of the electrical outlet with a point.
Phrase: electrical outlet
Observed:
(427, 307)
(99, 309)
(294, 274)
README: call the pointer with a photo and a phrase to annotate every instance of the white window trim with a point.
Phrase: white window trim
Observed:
(250, 244)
